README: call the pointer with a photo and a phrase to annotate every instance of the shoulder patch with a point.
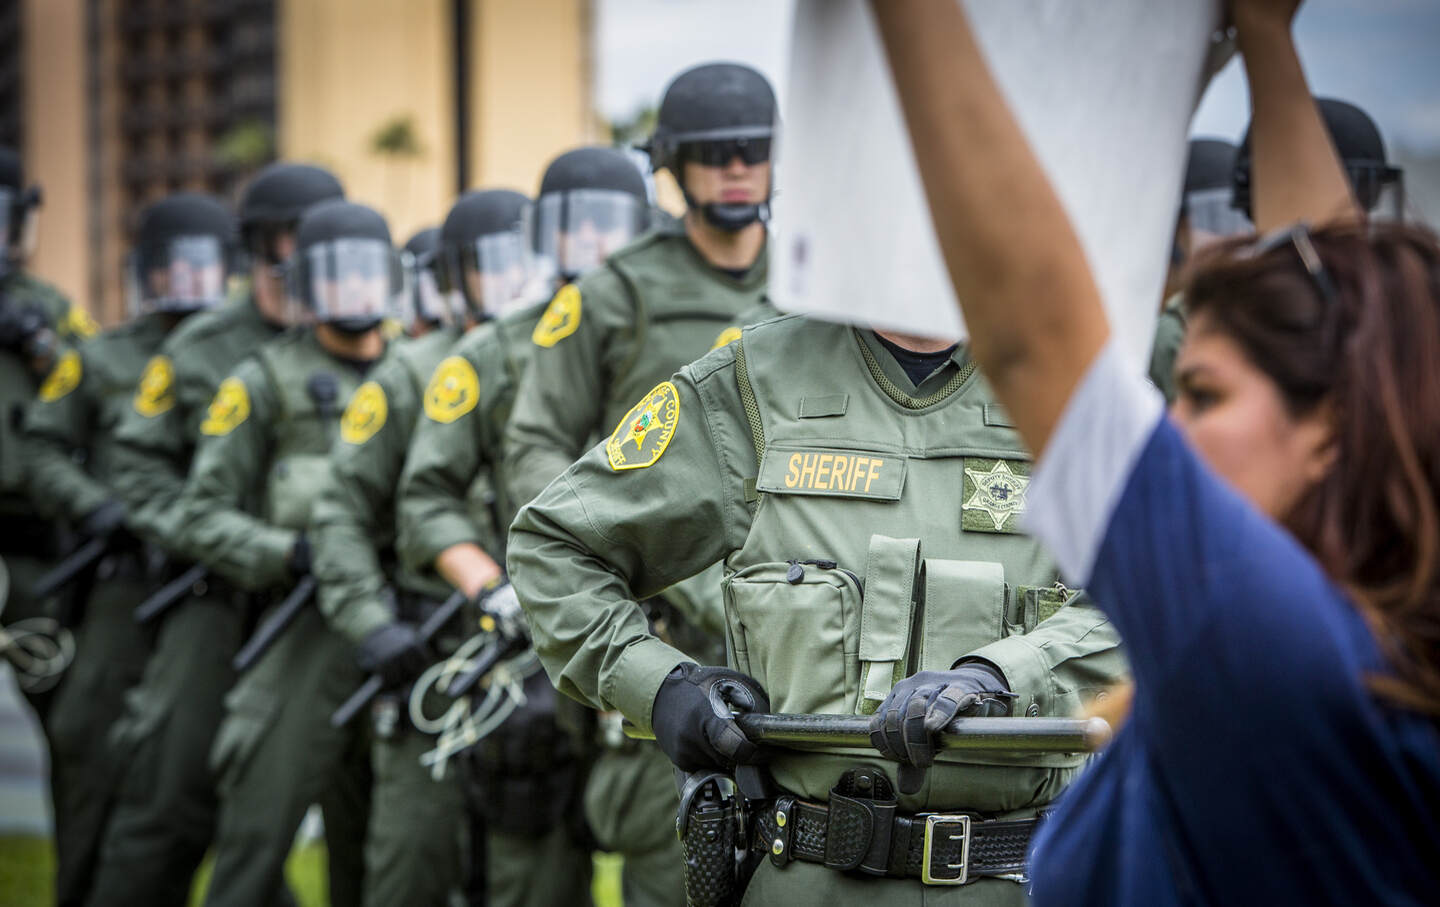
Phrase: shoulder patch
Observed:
(365, 414)
(453, 391)
(63, 378)
(560, 318)
(156, 392)
(994, 494)
(727, 337)
(230, 407)
(78, 323)
(646, 430)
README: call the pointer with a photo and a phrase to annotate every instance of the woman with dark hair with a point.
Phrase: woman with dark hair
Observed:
(1270, 550)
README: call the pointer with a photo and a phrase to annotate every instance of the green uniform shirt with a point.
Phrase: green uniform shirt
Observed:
(653, 307)
(155, 438)
(862, 482)
(1169, 334)
(19, 383)
(79, 404)
(353, 520)
(262, 456)
(451, 491)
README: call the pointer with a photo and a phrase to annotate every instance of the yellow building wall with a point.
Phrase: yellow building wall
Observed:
(349, 67)
(55, 140)
(531, 88)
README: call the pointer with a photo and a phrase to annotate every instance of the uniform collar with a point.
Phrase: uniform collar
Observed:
(959, 359)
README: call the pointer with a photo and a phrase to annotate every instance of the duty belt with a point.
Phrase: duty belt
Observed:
(863, 831)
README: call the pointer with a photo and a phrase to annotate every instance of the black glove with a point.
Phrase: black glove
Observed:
(395, 652)
(905, 726)
(298, 561)
(104, 521)
(692, 717)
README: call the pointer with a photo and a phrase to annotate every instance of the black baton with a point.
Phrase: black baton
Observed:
(74, 564)
(271, 628)
(372, 686)
(990, 735)
(164, 598)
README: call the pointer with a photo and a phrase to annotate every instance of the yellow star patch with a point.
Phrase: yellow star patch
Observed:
(230, 407)
(156, 392)
(645, 432)
(365, 414)
(453, 390)
(560, 318)
(63, 378)
(727, 337)
(996, 490)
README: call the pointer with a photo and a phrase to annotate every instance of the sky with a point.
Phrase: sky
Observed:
(1381, 54)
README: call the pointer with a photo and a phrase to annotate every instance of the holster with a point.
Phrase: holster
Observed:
(709, 825)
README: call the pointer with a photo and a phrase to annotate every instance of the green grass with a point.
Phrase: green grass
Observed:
(27, 870)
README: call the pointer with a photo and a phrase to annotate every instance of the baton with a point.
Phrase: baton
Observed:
(164, 598)
(271, 628)
(72, 566)
(372, 686)
(990, 735)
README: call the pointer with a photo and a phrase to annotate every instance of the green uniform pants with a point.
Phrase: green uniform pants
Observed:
(275, 754)
(25, 570)
(413, 851)
(630, 803)
(523, 871)
(110, 655)
(164, 815)
(800, 884)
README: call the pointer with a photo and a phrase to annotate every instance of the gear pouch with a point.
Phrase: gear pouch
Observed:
(892, 568)
(964, 610)
(795, 627)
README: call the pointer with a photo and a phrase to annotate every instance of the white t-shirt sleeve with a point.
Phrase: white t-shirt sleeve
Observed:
(1077, 483)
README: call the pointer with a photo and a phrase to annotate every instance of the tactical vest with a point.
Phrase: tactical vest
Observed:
(682, 305)
(833, 598)
(115, 362)
(303, 429)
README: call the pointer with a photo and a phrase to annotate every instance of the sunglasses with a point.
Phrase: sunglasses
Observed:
(720, 152)
(1298, 238)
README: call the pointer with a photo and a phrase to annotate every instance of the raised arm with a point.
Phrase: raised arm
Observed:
(1007, 242)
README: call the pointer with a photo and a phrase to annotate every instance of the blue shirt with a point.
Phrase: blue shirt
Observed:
(1256, 766)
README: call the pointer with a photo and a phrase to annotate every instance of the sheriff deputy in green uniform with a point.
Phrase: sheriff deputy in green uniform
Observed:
(36, 323)
(413, 845)
(184, 245)
(453, 510)
(863, 493)
(656, 305)
(164, 816)
(263, 455)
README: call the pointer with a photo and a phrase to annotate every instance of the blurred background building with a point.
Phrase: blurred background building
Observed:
(116, 103)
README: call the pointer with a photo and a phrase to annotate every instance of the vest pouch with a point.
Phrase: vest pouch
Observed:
(886, 617)
(964, 610)
(294, 482)
(794, 626)
(1030, 606)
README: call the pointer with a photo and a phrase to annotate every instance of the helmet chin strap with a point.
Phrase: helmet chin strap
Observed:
(729, 218)
(354, 326)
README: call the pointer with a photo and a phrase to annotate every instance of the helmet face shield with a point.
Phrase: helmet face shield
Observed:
(273, 242)
(1212, 218)
(18, 221)
(182, 274)
(574, 231)
(351, 283)
(1380, 189)
(493, 272)
(422, 302)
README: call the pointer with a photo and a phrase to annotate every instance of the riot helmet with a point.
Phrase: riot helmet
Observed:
(345, 273)
(423, 303)
(482, 263)
(184, 253)
(273, 202)
(1379, 188)
(710, 115)
(592, 201)
(1205, 203)
(19, 206)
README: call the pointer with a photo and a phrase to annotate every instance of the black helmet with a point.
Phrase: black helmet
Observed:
(17, 203)
(345, 270)
(274, 200)
(482, 262)
(1362, 152)
(423, 302)
(1209, 176)
(592, 201)
(184, 250)
(712, 113)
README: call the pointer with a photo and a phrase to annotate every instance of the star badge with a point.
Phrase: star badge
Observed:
(998, 494)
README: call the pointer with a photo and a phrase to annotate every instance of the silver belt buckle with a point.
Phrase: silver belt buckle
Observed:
(956, 828)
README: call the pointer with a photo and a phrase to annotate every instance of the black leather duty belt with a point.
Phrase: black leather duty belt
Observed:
(859, 829)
